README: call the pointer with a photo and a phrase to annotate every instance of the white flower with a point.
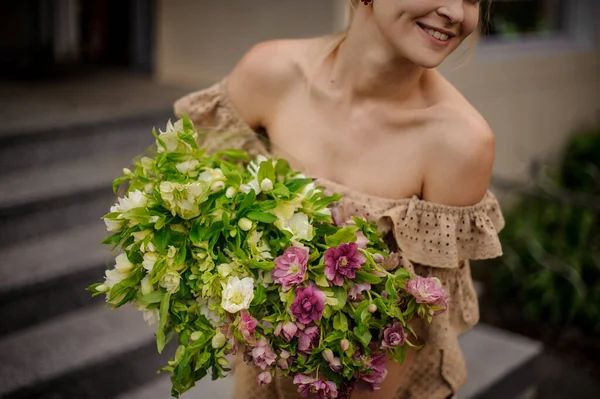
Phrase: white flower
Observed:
(123, 265)
(170, 281)
(135, 199)
(237, 294)
(298, 225)
(230, 193)
(140, 236)
(147, 165)
(150, 259)
(114, 225)
(225, 269)
(151, 316)
(251, 185)
(114, 277)
(218, 340)
(146, 285)
(171, 139)
(189, 167)
(254, 165)
(245, 224)
(217, 186)
(207, 310)
(266, 185)
(258, 248)
(184, 199)
(211, 176)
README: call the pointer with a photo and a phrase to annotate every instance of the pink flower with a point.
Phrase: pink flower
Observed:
(247, 325)
(287, 330)
(265, 378)
(393, 336)
(308, 338)
(427, 290)
(310, 385)
(290, 268)
(361, 239)
(334, 362)
(342, 261)
(375, 372)
(283, 359)
(262, 354)
(357, 289)
(308, 305)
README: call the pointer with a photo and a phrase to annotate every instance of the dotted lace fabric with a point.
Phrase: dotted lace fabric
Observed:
(432, 239)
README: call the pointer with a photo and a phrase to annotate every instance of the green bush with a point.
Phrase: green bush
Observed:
(551, 263)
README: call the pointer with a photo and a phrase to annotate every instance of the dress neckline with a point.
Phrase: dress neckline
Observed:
(348, 191)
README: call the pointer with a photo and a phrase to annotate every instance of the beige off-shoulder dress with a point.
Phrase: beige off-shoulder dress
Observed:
(432, 240)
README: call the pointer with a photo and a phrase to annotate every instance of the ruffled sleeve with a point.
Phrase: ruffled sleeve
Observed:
(221, 124)
(442, 236)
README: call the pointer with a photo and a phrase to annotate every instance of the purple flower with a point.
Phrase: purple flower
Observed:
(342, 261)
(308, 338)
(308, 305)
(262, 354)
(265, 378)
(427, 290)
(290, 268)
(310, 385)
(393, 336)
(247, 326)
(357, 289)
(334, 362)
(287, 330)
(375, 372)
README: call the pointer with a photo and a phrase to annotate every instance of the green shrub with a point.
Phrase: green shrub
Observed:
(551, 263)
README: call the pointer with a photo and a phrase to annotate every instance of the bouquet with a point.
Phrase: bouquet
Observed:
(232, 255)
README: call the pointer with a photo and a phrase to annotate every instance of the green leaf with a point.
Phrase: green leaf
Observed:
(399, 354)
(280, 190)
(401, 274)
(148, 299)
(264, 265)
(266, 171)
(343, 235)
(321, 280)
(162, 239)
(298, 184)
(262, 217)
(390, 288)
(341, 295)
(164, 318)
(366, 277)
(340, 322)
(363, 335)
(361, 312)
(260, 295)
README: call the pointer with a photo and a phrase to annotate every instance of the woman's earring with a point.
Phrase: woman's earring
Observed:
(366, 2)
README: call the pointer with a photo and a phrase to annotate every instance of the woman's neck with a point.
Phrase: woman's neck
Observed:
(366, 67)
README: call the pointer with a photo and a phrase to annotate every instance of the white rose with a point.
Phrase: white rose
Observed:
(237, 294)
(151, 316)
(147, 286)
(150, 259)
(170, 281)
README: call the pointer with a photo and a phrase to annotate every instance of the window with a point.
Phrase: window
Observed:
(532, 27)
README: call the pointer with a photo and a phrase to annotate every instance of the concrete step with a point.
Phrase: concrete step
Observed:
(499, 359)
(50, 273)
(45, 146)
(91, 353)
(60, 196)
(160, 388)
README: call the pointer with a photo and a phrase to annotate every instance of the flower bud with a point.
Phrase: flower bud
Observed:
(195, 335)
(103, 288)
(372, 308)
(231, 192)
(219, 340)
(245, 224)
(344, 344)
(232, 233)
(266, 185)
(127, 172)
(217, 186)
(223, 362)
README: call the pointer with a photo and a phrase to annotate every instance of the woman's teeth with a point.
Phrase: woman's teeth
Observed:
(438, 35)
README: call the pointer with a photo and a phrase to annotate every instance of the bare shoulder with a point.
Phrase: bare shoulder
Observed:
(264, 75)
(459, 174)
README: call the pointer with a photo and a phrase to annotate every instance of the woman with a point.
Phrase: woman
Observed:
(368, 116)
